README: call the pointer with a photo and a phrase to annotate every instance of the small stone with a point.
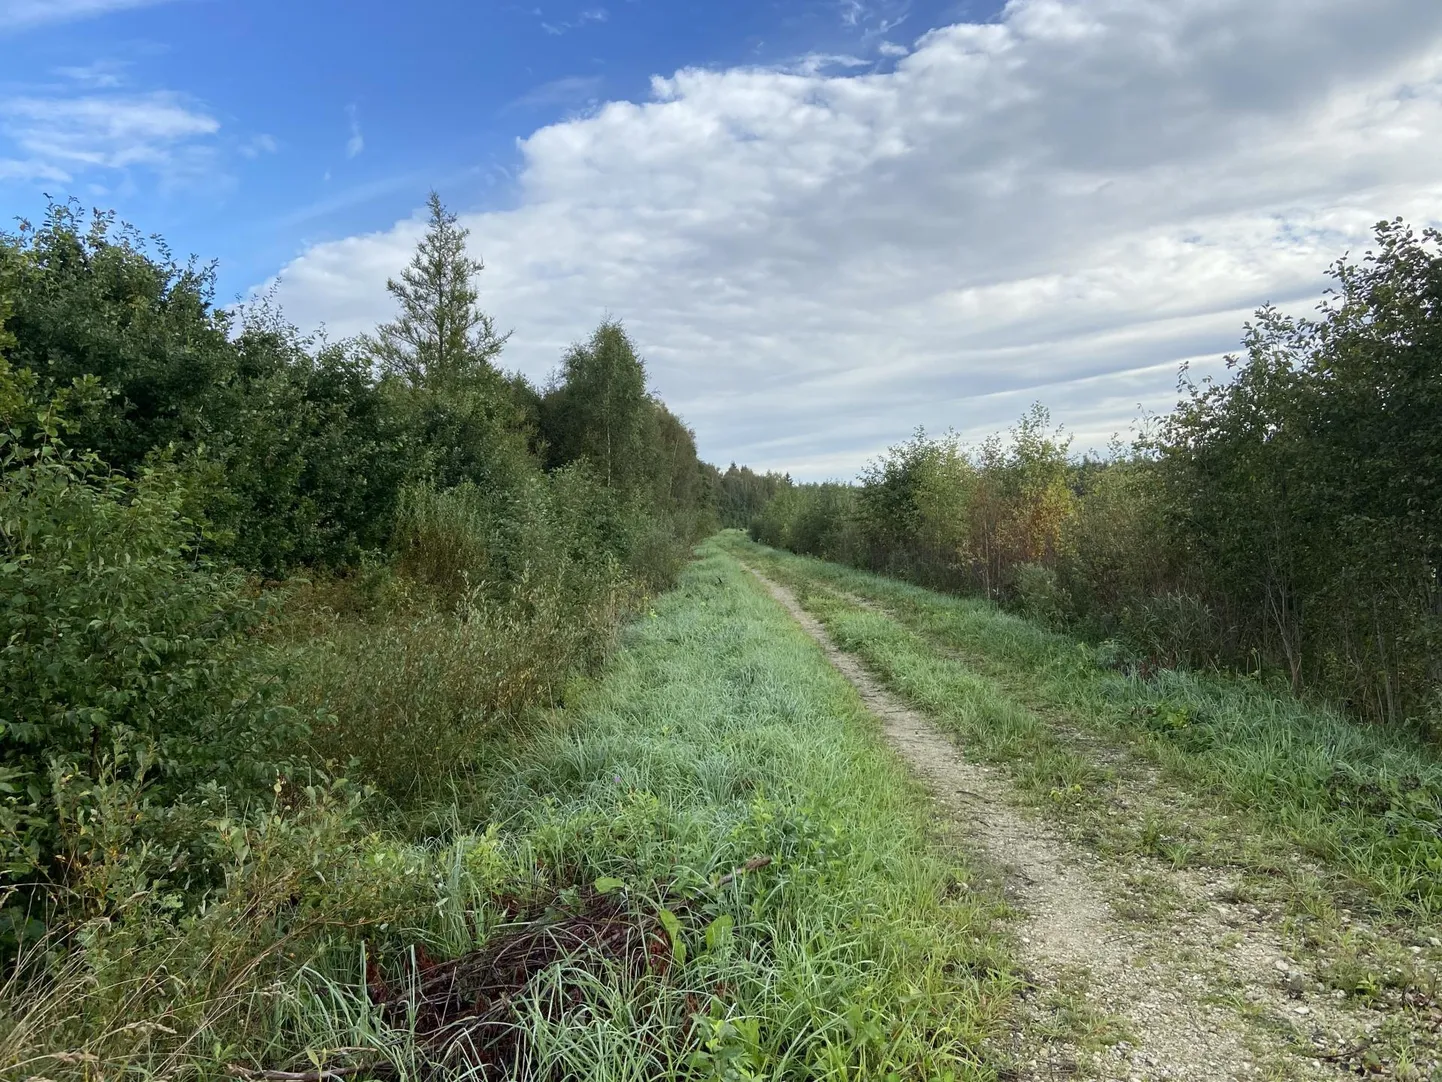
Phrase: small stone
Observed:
(1303, 1010)
(1296, 984)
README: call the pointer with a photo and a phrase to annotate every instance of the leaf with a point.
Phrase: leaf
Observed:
(673, 929)
(719, 931)
(607, 885)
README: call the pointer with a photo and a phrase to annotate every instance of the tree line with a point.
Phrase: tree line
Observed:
(1286, 518)
(237, 560)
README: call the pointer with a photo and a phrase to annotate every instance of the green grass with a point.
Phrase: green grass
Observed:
(1249, 773)
(717, 733)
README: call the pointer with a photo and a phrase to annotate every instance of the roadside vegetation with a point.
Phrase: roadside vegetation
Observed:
(269, 602)
(1359, 799)
(367, 713)
(239, 562)
(1285, 519)
(1330, 824)
(705, 866)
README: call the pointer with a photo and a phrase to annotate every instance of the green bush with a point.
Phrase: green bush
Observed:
(499, 602)
(1039, 596)
(134, 702)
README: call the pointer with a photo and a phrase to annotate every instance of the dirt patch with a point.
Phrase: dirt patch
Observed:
(1207, 995)
(464, 1011)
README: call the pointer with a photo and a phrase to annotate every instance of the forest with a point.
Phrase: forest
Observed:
(369, 711)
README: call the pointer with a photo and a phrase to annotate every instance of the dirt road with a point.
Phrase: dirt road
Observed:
(1208, 994)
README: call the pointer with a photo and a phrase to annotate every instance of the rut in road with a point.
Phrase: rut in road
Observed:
(1175, 1027)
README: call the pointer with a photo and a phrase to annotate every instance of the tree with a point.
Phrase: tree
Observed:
(599, 410)
(1308, 487)
(99, 300)
(440, 336)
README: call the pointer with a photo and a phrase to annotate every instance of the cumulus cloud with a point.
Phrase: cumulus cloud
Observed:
(1061, 204)
(60, 138)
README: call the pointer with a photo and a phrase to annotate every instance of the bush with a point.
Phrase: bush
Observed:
(1039, 596)
(499, 602)
(134, 701)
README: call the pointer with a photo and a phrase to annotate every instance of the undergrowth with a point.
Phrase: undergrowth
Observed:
(718, 781)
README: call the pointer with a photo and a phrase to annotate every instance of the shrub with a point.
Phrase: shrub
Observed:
(1039, 596)
(133, 699)
(500, 601)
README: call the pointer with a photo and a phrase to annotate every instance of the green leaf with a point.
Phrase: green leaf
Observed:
(673, 929)
(606, 885)
(718, 932)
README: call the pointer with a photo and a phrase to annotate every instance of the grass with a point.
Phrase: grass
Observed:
(1333, 825)
(717, 734)
(1361, 800)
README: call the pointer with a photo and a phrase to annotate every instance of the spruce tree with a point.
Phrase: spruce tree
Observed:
(440, 338)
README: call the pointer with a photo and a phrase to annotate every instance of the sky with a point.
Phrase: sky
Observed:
(824, 222)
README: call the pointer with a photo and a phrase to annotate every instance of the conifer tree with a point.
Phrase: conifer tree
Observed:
(440, 337)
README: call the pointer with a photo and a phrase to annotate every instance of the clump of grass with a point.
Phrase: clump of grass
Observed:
(406, 698)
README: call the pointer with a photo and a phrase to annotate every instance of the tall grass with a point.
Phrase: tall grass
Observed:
(717, 734)
(413, 671)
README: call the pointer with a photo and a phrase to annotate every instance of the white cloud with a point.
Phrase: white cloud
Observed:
(63, 137)
(356, 143)
(818, 63)
(24, 14)
(1061, 204)
(29, 169)
(873, 18)
(572, 91)
(101, 75)
(561, 26)
(891, 49)
(259, 144)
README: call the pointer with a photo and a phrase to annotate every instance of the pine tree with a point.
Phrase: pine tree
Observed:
(440, 338)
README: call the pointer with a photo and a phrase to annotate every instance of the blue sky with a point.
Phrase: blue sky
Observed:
(824, 221)
(336, 116)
